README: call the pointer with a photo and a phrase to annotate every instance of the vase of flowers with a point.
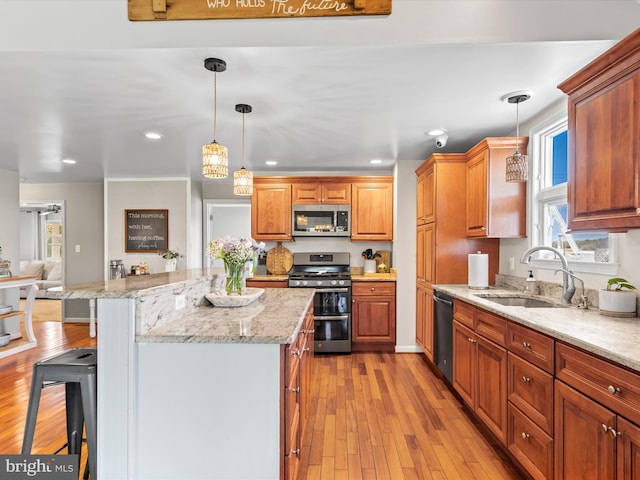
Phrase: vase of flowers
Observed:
(171, 259)
(234, 253)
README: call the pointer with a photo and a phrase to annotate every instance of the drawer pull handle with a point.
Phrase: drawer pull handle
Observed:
(294, 390)
(614, 433)
(373, 289)
(526, 345)
(296, 353)
(525, 435)
(604, 428)
(312, 331)
(526, 379)
(308, 349)
(295, 452)
(471, 340)
(613, 390)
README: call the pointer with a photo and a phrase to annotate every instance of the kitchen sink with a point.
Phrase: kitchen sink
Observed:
(518, 300)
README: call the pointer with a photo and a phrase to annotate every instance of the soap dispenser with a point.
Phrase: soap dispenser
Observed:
(531, 287)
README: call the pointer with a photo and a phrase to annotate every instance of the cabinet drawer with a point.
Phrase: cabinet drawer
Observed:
(531, 390)
(492, 327)
(531, 446)
(464, 313)
(374, 288)
(613, 386)
(535, 347)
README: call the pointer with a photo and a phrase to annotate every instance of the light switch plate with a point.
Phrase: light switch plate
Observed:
(180, 302)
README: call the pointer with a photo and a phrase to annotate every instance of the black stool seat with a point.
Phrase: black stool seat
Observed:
(77, 370)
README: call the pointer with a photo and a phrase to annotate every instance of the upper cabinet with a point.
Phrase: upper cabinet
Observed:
(604, 140)
(315, 191)
(495, 208)
(426, 195)
(271, 209)
(372, 209)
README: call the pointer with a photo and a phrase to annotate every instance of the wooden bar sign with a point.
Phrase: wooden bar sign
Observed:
(140, 10)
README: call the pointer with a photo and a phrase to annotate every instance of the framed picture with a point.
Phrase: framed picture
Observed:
(146, 231)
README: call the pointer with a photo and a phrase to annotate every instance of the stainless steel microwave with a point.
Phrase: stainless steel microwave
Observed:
(321, 220)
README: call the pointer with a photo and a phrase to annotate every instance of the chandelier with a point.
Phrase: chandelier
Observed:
(517, 165)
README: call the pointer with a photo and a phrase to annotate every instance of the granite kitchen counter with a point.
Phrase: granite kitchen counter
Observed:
(616, 339)
(275, 318)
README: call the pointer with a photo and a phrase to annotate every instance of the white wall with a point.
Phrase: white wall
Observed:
(154, 193)
(405, 254)
(10, 243)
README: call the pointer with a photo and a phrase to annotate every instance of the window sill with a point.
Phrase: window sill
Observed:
(576, 267)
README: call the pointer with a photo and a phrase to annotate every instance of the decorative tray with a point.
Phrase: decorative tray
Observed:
(5, 309)
(221, 299)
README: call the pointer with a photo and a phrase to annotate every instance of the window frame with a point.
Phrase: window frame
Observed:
(540, 195)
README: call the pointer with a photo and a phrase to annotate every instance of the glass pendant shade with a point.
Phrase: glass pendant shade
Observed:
(215, 161)
(517, 168)
(243, 182)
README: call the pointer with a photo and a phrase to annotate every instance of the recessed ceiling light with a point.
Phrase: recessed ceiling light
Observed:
(437, 131)
(69, 161)
(271, 162)
(154, 135)
(375, 162)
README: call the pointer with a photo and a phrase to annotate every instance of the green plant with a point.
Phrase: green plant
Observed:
(169, 254)
(618, 283)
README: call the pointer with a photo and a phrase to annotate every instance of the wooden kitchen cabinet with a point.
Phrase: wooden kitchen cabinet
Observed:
(271, 210)
(373, 325)
(424, 319)
(480, 369)
(254, 283)
(425, 254)
(426, 195)
(321, 191)
(372, 209)
(494, 207)
(604, 128)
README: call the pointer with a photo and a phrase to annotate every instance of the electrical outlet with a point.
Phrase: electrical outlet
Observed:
(181, 302)
(512, 263)
(77, 248)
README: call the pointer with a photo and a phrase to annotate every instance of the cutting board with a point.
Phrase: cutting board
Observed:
(279, 260)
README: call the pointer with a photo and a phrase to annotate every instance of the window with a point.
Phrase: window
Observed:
(586, 251)
(53, 240)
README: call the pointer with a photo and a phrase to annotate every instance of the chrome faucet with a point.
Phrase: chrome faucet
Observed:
(568, 286)
(584, 301)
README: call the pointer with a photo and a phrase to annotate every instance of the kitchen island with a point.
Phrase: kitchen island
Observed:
(185, 389)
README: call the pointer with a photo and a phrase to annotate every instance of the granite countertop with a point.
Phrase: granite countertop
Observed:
(134, 286)
(616, 339)
(369, 277)
(275, 318)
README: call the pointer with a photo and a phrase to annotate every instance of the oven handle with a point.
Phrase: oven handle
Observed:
(331, 290)
(331, 317)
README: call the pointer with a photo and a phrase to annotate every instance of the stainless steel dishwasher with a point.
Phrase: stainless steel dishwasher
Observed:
(443, 333)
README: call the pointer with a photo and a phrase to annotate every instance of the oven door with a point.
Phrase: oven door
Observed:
(332, 333)
(332, 301)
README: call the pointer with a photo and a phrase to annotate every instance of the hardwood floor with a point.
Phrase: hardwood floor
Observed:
(15, 382)
(387, 416)
(373, 416)
(45, 309)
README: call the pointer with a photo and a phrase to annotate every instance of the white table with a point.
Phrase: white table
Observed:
(18, 344)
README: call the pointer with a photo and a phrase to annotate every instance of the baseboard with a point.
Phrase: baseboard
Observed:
(408, 349)
(75, 320)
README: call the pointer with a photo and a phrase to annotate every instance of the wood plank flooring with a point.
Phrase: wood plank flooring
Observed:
(388, 417)
(373, 416)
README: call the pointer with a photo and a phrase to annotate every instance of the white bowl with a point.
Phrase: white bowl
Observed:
(4, 339)
(221, 299)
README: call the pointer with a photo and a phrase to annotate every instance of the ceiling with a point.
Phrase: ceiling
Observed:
(328, 95)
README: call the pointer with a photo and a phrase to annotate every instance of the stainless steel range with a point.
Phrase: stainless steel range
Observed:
(329, 274)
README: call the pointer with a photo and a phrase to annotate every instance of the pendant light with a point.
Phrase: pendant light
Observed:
(243, 178)
(517, 165)
(215, 163)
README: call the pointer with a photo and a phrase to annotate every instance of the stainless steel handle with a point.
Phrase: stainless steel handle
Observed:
(604, 428)
(614, 433)
(313, 330)
(613, 390)
(331, 290)
(296, 353)
(525, 435)
(483, 228)
(308, 349)
(373, 289)
(442, 300)
(295, 452)
(294, 390)
(526, 345)
(332, 317)
(526, 379)
(472, 340)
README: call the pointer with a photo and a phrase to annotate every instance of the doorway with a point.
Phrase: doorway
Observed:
(224, 218)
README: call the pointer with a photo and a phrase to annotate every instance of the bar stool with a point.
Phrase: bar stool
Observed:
(77, 370)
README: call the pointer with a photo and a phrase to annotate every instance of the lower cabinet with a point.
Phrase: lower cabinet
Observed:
(424, 319)
(373, 316)
(297, 370)
(254, 283)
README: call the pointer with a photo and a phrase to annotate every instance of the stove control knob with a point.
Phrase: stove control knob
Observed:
(319, 282)
(334, 282)
(341, 282)
(304, 282)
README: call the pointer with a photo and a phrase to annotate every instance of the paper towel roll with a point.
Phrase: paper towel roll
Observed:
(478, 270)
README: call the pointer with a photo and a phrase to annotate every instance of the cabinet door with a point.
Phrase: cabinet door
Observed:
(425, 251)
(271, 211)
(336, 193)
(311, 193)
(477, 195)
(372, 211)
(424, 320)
(491, 390)
(464, 362)
(426, 199)
(306, 193)
(531, 445)
(628, 450)
(604, 170)
(374, 319)
(584, 447)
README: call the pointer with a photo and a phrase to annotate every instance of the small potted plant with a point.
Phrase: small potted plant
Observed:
(171, 257)
(618, 299)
